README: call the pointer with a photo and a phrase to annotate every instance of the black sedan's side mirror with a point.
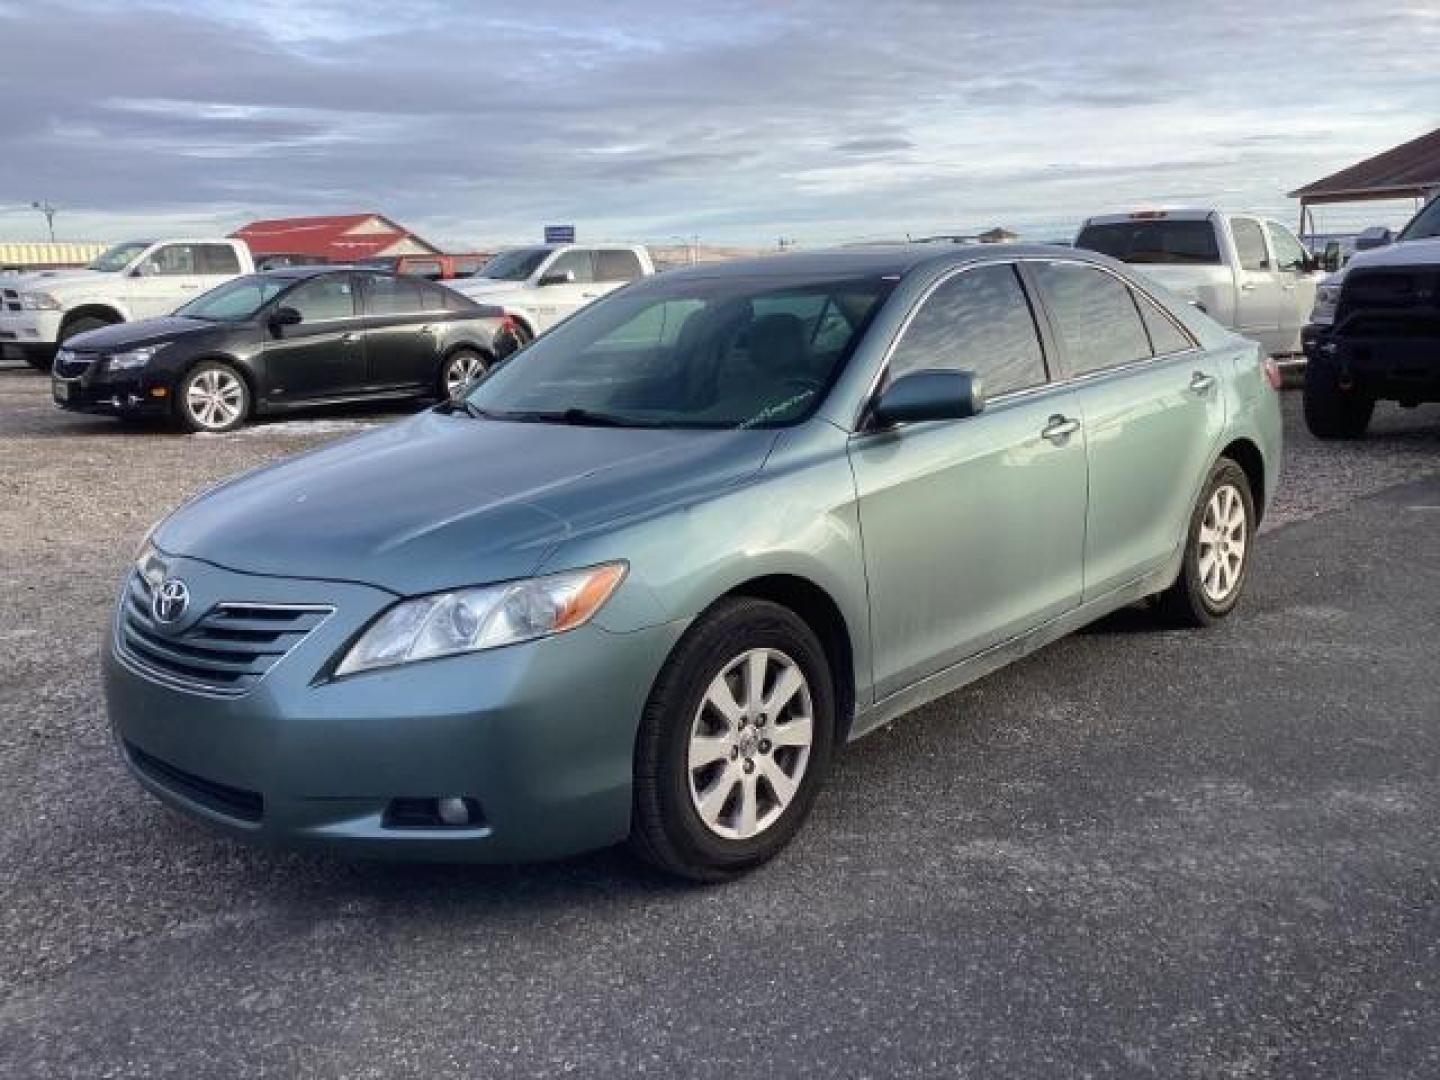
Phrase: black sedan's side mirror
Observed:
(285, 316)
(560, 277)
(932, 394)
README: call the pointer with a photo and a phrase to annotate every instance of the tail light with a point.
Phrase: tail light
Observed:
(1272, 372)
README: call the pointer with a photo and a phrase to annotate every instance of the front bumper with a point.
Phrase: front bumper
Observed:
(24, 334)
(95, 389)
(1407, 368)
(541, 735)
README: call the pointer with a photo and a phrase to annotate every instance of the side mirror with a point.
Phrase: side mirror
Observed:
(145, 269)
(929, 395)
(285, 316)
(1333, 257)
(562, 277)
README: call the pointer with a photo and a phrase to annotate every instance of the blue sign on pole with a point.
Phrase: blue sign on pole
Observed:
(559, 234)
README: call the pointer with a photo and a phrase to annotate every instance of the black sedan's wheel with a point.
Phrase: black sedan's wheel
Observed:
(734, 743)
(212, 397)
(461, 368)
(1217, 550)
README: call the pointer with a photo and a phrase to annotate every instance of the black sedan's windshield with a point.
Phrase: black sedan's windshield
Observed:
(514, 265)
(235, 301)
(1424, 224)
(720, 352)
(119, 256)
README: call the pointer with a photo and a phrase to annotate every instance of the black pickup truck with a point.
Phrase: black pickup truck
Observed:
(1375, 332)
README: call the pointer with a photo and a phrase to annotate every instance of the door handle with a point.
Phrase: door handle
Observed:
(427, 330)
(1059, 428)
(189, 288)
(1247, 286)
(589, 295)
(350, 338)
(1200, 382)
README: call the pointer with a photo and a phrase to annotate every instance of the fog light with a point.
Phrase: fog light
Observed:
(452, 810)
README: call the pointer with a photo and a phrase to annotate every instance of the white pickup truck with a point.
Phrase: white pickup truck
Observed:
(538, 286)
(1249, 274)
(135, 280)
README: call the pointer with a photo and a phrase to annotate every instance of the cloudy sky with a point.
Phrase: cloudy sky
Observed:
(738, 120)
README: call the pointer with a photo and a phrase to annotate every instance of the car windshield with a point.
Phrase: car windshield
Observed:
(235, 301)
(1424, 224)
(706, 352)
(119, 256)
(1153, 241)
(514, 265)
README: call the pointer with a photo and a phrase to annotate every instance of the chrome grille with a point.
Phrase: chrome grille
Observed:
(225, 652)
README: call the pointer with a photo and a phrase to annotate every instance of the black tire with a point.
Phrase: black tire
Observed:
(667, 829)
(513, 340)
(458, 360)
(81, 325)
(1190, 601)
(1331, 411)
(191, 419)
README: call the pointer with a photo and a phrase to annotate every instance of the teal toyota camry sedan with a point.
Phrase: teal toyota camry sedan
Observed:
(645, 578)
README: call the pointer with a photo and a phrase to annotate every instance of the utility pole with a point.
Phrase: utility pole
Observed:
(49, 211)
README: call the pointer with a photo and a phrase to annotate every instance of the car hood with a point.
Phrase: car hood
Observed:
(133, 335)
(1405, 253)
(56, 280)
(441, 501)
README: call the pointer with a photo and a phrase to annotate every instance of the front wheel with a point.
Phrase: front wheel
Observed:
(212, 397)
(734, 742)
(1217, 550)
(1333, 411)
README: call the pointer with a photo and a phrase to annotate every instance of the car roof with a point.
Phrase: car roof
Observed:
(879, 261)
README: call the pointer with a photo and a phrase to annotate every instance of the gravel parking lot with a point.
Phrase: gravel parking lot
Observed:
(1138, 853)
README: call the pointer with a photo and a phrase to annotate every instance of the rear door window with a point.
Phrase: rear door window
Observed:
(980, 321)
(393, 296)
(323, 299)
(617, 265)
(1250, 244)
(422, 268)
(1094, 315)
(218, 259)
(1165, 336)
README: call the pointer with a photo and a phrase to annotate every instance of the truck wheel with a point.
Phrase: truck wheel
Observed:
(70, 329)
(212, 397)
(1332, 412)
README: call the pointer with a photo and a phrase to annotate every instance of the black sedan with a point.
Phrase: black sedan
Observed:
(283, 339)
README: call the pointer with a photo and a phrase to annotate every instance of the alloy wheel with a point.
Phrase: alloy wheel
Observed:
(215, 398)
(750, 743)
(462, 370)
(1224, 536)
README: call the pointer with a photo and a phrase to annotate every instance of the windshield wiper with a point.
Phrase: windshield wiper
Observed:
(463, 405)
(575, 417)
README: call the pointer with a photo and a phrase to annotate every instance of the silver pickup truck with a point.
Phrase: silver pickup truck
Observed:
(1247, 273)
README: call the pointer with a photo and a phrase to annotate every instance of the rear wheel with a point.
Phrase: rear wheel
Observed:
(212, 397)
(1333, 411)
(1217, 550)
(734, 742)
(461, 368)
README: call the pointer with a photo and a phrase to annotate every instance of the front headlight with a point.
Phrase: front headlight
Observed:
(134, 358)
(1327, 299)
(38, 301)
(469, 620)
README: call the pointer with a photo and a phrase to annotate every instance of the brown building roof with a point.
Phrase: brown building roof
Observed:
(1409, 170)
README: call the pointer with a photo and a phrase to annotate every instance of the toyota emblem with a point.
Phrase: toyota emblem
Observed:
(170, 600)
